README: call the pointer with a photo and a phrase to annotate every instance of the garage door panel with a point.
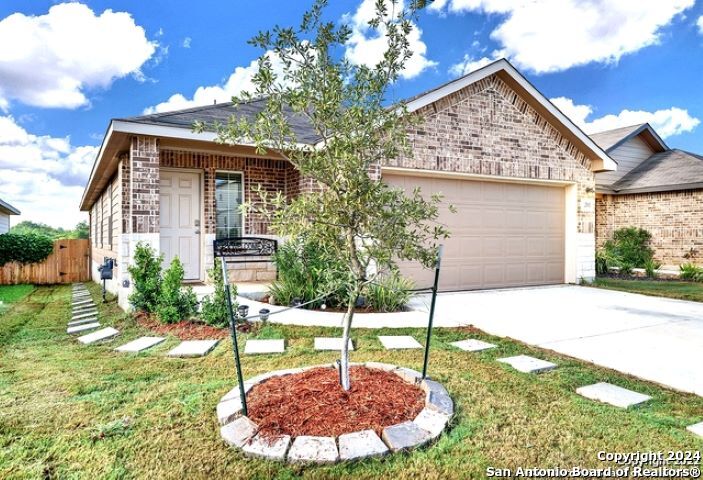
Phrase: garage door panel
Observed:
(503, 234)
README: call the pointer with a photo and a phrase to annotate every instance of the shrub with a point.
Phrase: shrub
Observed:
(628, 249)
(305, 272)
(175, 303)
(214, 309)
(650, 268)
(390, 293)
(689, 271)
(24, 248)
(146, 278)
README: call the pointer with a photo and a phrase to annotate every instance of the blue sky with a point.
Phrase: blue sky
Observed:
(67, 69)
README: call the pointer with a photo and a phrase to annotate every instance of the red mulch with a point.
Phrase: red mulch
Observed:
(184, 330)
(314, 403)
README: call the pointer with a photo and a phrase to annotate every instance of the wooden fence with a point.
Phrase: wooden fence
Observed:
(68, 263)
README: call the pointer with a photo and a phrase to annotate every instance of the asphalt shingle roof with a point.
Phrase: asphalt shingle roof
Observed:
(7, 208)
(609, 138)
(221, 113)
(670, 170)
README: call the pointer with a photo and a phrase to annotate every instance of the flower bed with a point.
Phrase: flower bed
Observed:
(303, 415)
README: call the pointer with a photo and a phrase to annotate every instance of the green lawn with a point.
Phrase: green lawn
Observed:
(72, 411)
(12, 293)
(672, 289)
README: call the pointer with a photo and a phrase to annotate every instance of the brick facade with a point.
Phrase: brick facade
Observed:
(675, 220)
(488, 129)
(144, 177)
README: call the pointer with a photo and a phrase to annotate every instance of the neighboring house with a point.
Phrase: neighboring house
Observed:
(520, 173)
(655, 188)
(5, 211)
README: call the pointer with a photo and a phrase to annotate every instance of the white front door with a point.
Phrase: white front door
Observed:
(180, 220)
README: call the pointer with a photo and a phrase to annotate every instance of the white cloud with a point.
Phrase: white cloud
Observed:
(239, 81)
(366, 45)
(41, 175)
(52, 59)
(186, 42)
(553, 35)
(469, 64)
(667, 122)
(700, 24)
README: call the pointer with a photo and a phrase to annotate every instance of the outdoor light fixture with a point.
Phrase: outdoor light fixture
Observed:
(264, 314)
(243, 311)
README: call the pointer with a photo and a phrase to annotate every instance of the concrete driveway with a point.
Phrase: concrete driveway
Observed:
(653, 338)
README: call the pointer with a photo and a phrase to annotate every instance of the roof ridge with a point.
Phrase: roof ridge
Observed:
(190, 109)
(638, 125)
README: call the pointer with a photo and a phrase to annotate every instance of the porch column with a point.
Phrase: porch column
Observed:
(141, 198)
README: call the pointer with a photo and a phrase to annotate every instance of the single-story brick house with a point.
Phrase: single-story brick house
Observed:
(521, 174)
(5, 211)
(656, 188)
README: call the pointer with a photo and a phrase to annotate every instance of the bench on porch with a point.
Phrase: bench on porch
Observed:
(245, 250)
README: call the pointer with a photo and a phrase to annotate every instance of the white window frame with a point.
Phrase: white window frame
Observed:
(244, 193)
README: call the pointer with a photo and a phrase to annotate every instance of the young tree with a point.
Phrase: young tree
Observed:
(353, 216)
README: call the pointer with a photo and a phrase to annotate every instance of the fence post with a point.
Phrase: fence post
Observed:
(432, 305)
(233, 332)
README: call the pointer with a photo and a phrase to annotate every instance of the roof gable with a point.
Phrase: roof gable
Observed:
(599, 158)
(609, 140)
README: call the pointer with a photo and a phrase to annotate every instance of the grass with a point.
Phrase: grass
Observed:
(669, 288)
(12, 293)
(72, 411)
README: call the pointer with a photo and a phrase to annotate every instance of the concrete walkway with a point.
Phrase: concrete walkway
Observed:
(653, 338)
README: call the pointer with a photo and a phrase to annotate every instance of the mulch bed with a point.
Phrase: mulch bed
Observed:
(184, 330)
(314, 403)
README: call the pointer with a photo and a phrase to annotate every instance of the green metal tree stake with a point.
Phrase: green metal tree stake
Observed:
(233, 332)
(432, 305)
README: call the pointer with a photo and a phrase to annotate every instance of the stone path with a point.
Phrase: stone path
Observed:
(398, 342)
(193, 348)
(82, 328)
(140, 344)
(696, 429)
(612, 394)
(99, 336)
(254, 347)
(83, 321)
(527, 364)
(472, 345)
(331, 343)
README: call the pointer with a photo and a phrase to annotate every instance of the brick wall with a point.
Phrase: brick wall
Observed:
(144, 177)
(675, 220)
(487, 129)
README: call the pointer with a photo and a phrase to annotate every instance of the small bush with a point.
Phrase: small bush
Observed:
(650, 267)
(146, 279)
(390, 293)
(24, 248)
(214, 309)
(305, 272)
(629, 248)
(175, 302)
(689, 271)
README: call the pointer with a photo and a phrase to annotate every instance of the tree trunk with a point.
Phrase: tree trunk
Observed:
(348, 316)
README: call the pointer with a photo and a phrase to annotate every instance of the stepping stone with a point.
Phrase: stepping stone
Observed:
(237, 433)
(330, 343)
(398, 342)
(84, 308)
(83, 321)
(82, 328)
(140, 344)
(361, 445)
(313, 449)
(405, 435)
(193, 348)
(99, 335)
(260, 447)
(91, 311)
(254, 347)
(696, 429)
(612, 394)
(527, 364)
(82, 302)
(472, 345)
(83, 315)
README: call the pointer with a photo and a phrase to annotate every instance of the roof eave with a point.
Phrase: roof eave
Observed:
(600, 161)
(660, 188)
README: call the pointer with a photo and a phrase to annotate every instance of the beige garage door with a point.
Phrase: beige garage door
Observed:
(503, 234)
